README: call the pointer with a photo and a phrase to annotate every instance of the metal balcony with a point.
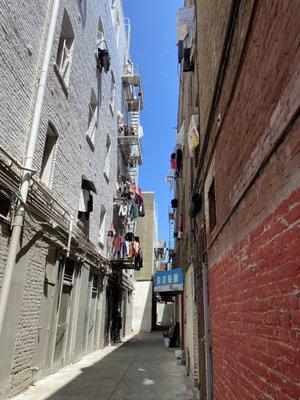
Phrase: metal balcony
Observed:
(124, 263)
(133, 88)
(129, 142)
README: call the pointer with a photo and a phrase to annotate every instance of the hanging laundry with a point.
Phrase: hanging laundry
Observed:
(129, 236)
(180, 226)
(123, 249)
(123, 210)
(110, 246)
(174, 203)
(127, 247)
(179, 159)
(141, 210)
(118, 243)
(173, 162)
(103, 61)
(111, 232)
(193, 134)
(134, 212)
(136, 245)
(131, 250)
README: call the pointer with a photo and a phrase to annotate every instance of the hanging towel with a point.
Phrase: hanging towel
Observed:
(141, 210)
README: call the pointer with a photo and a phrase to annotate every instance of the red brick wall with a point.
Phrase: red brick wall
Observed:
(255, 313)
(265, 99)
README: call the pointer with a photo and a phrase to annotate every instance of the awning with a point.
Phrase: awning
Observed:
(168, 281)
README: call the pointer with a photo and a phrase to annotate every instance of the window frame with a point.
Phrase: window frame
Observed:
(93, 119)
(65, 50)
(113, 93)
(107, 158)
(101, 236)
(48, 171)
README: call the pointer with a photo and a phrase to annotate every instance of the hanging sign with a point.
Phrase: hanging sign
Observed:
(169, 281)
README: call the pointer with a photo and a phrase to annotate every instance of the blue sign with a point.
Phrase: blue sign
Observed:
(169, 281)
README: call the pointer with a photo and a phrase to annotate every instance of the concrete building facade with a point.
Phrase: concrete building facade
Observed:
(237, 232)
(62, 77)
(143, 280)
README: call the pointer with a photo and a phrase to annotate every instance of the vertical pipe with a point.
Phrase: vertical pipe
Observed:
(208, 366)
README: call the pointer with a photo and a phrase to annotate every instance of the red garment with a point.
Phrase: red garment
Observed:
(118, 243)
(138, 191)
(131, 250)
(173, 164)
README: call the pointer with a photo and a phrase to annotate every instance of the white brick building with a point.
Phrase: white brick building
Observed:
(56, 303)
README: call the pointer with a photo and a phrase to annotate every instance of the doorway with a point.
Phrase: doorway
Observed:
(91, 339)
(63, 316)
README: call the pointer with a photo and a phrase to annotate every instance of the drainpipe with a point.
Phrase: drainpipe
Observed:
(70, 236)
(20, 210)
(208, 366)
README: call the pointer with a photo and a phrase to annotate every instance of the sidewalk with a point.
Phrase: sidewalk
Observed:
(140, 369)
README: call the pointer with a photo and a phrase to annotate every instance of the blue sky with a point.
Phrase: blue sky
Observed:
(153, 48)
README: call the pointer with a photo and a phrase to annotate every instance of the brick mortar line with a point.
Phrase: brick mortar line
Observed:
(258, 172)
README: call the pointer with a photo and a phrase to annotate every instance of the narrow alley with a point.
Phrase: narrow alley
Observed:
(139, 369)
(149, 199)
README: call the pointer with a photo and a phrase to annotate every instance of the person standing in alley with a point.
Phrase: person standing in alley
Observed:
(116, 327)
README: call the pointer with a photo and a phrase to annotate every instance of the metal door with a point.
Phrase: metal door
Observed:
(92, 312)
(63, 317)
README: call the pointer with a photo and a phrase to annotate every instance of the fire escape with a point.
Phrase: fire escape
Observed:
(130, 151)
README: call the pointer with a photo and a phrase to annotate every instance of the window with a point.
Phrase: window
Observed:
(102, 226)
(92, 119)
(65, 49)
(95, 284)
(101, 43)
(86, 204)
(4, 203)
(112, 93)
(82, 10)
(48, 157)
(107, 158)
(212, 206)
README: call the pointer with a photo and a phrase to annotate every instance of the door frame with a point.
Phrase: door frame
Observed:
(62, 268)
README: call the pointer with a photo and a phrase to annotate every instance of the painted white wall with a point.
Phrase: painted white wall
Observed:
(165, 314)
(142, 306)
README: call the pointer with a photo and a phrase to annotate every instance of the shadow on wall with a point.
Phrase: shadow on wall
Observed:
(165, 314)
(142, 312)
